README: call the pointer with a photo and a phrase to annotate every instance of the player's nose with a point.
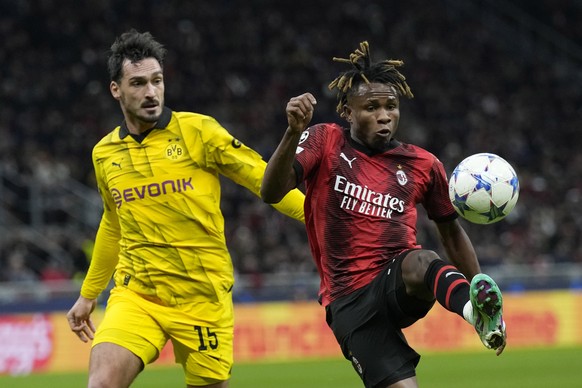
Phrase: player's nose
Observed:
(383, 116)
(150, 90)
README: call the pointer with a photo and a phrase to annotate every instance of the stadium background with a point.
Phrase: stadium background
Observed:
(488, 76)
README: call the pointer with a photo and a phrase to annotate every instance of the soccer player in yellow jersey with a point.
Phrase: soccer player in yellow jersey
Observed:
(161, 236)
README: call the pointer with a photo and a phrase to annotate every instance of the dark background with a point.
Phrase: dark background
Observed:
(488, 76)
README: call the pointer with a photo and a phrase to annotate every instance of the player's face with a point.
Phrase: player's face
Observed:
(140, 93)
(373, 111)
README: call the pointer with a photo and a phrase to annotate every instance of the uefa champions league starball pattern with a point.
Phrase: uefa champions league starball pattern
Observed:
(484, 188)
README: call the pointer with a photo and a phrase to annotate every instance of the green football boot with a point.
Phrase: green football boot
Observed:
(487, 304)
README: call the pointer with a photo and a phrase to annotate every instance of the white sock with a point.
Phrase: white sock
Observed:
(468, 312)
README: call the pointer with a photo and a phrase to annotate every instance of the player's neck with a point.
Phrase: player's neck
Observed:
(138, 127)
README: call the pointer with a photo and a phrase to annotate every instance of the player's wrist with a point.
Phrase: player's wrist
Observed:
(294, 131)
(87, 295)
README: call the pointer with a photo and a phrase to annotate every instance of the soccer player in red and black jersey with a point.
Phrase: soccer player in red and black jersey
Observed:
(362, 188)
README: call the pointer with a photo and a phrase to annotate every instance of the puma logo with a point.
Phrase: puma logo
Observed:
(453, 272)
(344, 157)
(116, 164)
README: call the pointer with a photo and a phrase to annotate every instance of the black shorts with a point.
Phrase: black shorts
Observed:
(368, 326)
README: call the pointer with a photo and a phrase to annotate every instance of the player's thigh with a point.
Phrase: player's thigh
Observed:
(410, 382)
(113, 366)
(130, 322)
(367, 323)
(205, 350)
(380, 354)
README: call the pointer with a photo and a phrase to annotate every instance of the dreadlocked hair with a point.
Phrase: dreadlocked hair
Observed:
(365, 71)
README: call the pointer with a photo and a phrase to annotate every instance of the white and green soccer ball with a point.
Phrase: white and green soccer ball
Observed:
(484, 188)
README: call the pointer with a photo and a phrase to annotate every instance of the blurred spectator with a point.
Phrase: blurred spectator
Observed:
(475, 91)
(54, 270)
(18, 269)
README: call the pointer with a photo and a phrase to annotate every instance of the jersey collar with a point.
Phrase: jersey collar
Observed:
(162, 123)
(362, 148)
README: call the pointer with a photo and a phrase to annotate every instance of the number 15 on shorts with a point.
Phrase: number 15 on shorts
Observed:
(207, 338)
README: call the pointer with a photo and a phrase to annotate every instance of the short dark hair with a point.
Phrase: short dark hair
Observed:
(134, 46)
(363, 70)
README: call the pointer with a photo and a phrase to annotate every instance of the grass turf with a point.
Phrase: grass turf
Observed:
(532, 368)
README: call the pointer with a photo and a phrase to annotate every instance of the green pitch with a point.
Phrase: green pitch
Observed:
(539, 368)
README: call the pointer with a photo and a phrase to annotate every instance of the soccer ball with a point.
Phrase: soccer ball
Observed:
(484, 188)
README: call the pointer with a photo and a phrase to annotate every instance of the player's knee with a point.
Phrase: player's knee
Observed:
(416, 264)
(425, 258)
(100, 380)
(111, 365)
(105, 379)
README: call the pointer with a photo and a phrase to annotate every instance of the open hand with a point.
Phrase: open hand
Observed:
(79, 318)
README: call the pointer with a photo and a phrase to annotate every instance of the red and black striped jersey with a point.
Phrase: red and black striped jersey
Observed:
(360, 206)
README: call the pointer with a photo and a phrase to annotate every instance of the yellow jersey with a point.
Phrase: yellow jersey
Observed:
(162, 230)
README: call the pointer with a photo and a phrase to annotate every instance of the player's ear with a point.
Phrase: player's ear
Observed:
(347, 113)
(114, 88)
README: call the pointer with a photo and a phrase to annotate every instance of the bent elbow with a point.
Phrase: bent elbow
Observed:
(270, 197)
(275, 187)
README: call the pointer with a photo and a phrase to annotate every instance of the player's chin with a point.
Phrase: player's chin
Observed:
(150, 117)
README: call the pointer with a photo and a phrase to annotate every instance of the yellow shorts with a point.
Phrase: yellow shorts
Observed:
(201, 333)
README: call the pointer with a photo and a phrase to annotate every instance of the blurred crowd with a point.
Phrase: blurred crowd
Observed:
(485, 78)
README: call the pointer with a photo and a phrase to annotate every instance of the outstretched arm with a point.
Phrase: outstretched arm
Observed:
(279, 176)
